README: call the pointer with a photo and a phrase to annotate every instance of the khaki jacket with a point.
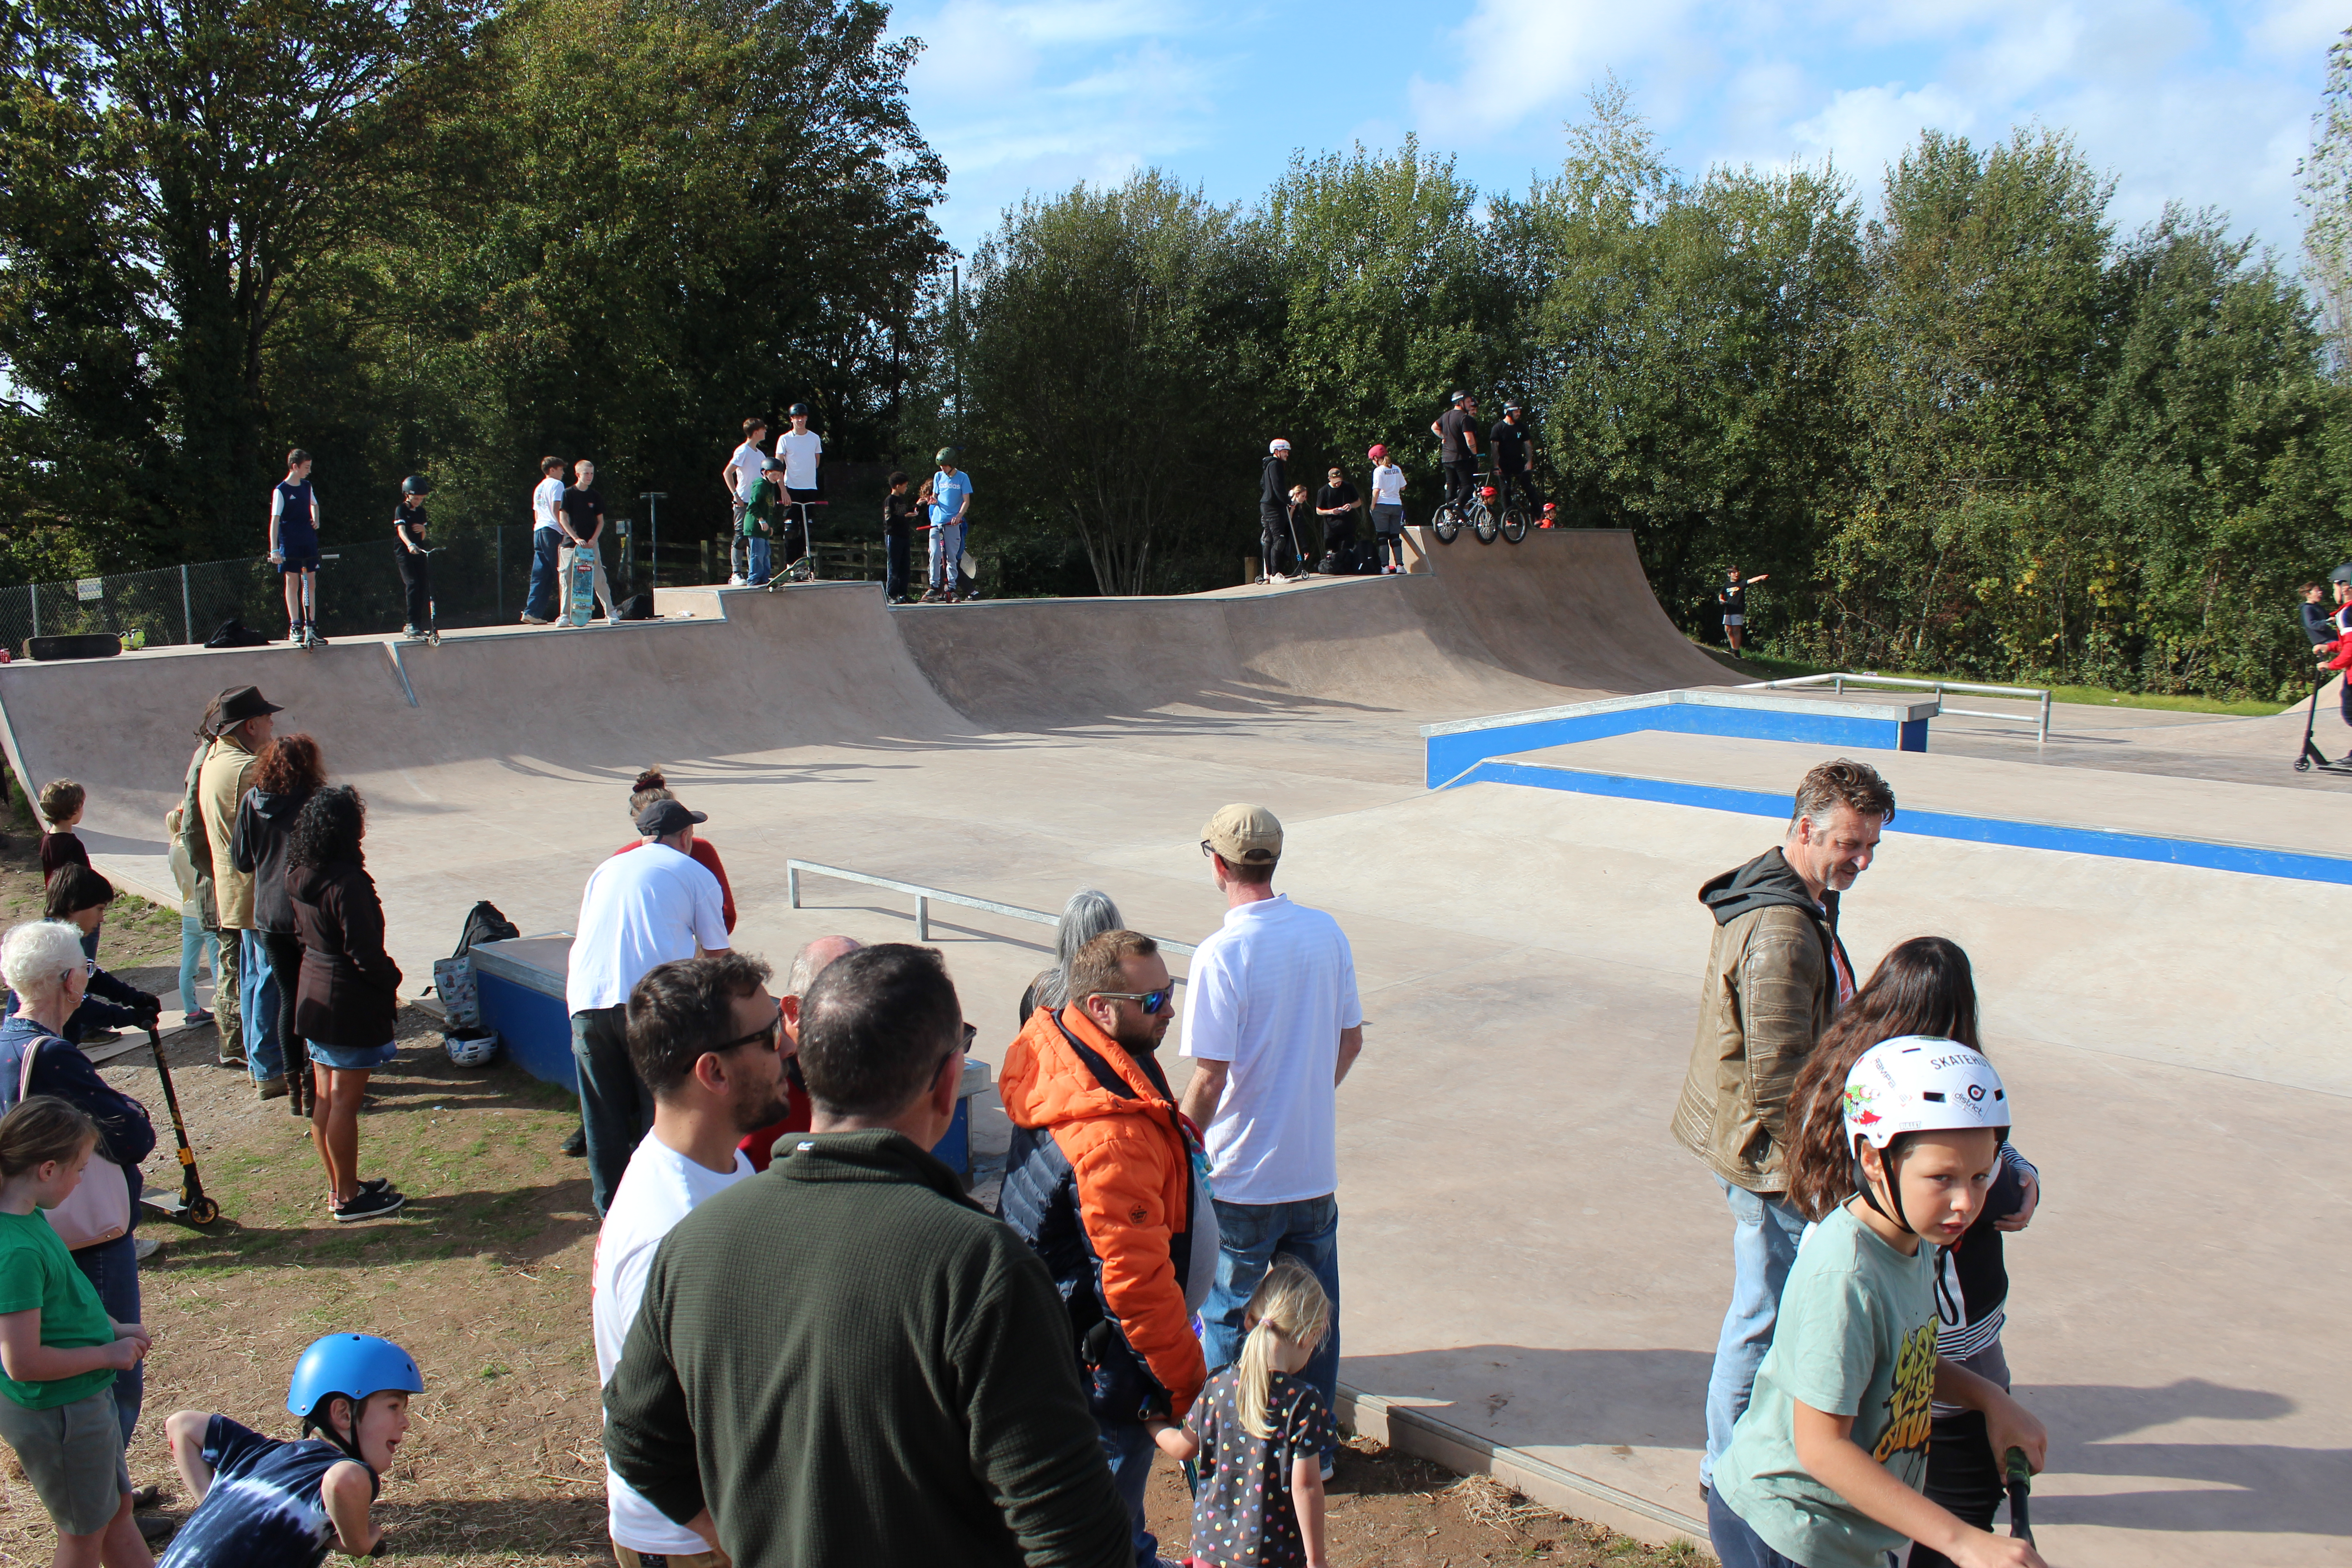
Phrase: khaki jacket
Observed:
(221, 783)
(1771, 989)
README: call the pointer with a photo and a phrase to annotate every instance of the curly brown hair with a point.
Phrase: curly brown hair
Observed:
(1923, 986)
(290, 765)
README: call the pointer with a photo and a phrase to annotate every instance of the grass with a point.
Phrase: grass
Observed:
(2088, 695)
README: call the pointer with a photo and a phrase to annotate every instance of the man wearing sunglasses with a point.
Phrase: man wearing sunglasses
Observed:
(1098, 1180)
(705, 1037)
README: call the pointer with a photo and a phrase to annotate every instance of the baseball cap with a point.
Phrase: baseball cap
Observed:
(1243, 835)
(245, 703)
(664, 817)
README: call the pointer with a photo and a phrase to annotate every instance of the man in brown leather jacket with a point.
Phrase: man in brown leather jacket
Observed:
(1776, 975)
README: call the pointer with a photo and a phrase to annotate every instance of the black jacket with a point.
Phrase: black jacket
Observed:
(2318, 624)
(258, 847)
(1273, 490)
(902, 1393)
(125, 1135)
(349, 993)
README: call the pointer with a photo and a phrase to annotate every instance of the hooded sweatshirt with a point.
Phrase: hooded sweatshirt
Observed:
(1098, 1182)
(1776, 975)
(1274, 491)
(264, 824)
(349, 993)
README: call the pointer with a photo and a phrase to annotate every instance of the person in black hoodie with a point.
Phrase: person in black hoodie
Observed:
(347, 1006)
(287, 773)
(1273, 507)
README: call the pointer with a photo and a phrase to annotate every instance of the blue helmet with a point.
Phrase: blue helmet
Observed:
(353, 1365)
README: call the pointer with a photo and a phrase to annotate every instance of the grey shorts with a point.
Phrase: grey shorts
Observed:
(73, 1456)
(1388, 519)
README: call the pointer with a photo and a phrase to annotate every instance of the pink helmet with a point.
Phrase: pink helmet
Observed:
(1377, 453)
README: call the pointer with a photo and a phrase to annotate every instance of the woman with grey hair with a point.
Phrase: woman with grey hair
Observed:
(1086, 916)
(43, 964)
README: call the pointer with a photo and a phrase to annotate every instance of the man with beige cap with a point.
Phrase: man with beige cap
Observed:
(1271, 1024)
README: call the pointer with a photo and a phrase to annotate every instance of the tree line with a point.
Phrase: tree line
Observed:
(1967, 425)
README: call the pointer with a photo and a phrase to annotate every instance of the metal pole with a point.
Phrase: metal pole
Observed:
(793, 886)
(187, 604)
(922, 919)
(653, 500)
(498, 568)
(2045, 720)
(36, 607)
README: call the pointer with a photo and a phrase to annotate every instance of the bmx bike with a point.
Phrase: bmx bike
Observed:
(1486, 511)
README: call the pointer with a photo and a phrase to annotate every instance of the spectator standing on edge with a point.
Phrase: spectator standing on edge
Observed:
(287, 774)
(1734, 600)
(898, 533)
(1388, 511)
(641, 909)
(1335, 504)
(742, 471)
(1457, 430)
(228, 1032)
(583, 522)
(246, 727)
(1515, 451)
(413, 551)
(294, 547)
(800, 452)
(950, 493)
(1273, 1025)
(759, 1146)
(704, 1036)
(1776, 975)
(539, 606)
(1273, 507)
(1099, 1181)
(61, 805)
(905, 1391)
(756, 521)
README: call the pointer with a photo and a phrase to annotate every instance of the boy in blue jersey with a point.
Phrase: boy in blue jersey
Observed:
(294, 547)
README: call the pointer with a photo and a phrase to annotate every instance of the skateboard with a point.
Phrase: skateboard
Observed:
(580, 600)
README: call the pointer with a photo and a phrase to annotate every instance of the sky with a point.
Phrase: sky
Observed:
(2205, 104)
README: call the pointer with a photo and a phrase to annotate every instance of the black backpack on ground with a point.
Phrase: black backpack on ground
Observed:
(484, 923)
(234, 633)
(636, 607)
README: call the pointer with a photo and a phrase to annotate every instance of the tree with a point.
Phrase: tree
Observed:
(2324, 181)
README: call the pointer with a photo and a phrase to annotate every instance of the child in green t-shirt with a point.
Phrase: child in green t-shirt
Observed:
(760, 517)
(58, 1350)
(1824, 1468)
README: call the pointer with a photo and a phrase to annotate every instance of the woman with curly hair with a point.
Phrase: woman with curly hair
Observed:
(347, 1003)
(287, 773)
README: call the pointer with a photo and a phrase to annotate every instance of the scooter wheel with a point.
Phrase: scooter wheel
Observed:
(433, 636)
(202, 1211)
(2302, 764)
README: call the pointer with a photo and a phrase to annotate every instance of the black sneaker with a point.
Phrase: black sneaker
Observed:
(382, 1204)
(576, 1146)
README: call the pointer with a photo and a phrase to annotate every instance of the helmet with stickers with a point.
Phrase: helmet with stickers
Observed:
(1917, 1083)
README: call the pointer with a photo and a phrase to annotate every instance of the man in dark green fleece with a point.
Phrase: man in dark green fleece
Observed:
(843, 1360)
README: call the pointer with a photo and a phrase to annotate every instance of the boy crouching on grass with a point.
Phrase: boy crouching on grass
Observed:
(262, 1503)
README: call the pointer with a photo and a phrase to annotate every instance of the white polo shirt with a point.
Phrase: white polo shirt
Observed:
(1268, 994)
(641, 909)
(545, 503)
(749, 462)
(660, 1188)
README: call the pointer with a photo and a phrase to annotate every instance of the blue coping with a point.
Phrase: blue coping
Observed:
(1449, 749)
(2249, 859)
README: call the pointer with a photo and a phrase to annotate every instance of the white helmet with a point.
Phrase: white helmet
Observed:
(1277, 444)
(1917, 1083)
(470, 1048)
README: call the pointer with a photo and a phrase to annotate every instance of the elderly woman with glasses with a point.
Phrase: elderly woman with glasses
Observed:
(48, 976)
(78, 896)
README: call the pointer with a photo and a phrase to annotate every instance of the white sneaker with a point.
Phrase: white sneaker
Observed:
(735, 580)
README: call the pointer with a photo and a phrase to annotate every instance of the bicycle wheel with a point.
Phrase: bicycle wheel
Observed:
(1515, 522)
(1446, 525)
(1482, 522)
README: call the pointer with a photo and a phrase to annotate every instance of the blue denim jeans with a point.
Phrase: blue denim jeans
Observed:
(258, 999)
(1249, 1234)
(759, 556)
(1129, 1449)
(947, 549)
(197, 944)
(615, 1109)
(112, 1269)
(1736, 1543)
(539, 602)
(1763, 1246)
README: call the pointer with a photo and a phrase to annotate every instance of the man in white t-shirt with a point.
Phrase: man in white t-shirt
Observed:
(742, 472)
(644, 907)
(546, 539)
(802, 449)
(703, 1034)
(1273, 1024)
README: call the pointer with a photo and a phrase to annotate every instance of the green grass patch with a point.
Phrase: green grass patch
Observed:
(2087, 696)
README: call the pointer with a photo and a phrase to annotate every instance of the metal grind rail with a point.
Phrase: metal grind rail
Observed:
(924, 897)
(1863, 678)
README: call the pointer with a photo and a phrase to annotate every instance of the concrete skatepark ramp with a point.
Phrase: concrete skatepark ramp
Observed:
(1528, 958)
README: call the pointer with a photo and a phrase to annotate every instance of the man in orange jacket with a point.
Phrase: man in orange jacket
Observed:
(1100, 1181)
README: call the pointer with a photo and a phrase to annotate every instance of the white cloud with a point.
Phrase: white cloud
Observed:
(2299, 29)
(1524, 58)
(1862, 130)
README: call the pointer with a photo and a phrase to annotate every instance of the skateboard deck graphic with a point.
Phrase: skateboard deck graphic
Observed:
(580, 596)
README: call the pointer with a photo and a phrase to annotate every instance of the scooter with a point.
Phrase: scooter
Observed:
(2019, 1487)
(2312, 756)
(191, 1206)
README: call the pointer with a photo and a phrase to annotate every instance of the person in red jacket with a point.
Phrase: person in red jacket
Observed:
(759, 1147)
(1100, 1181)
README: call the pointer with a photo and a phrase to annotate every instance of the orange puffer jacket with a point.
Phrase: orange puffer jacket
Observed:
(1100, 1183)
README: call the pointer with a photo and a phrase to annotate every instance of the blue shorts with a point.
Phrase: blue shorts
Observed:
(300, 555)
(352, 1058)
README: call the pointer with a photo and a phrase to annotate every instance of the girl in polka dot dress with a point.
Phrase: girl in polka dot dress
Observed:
(1263, 1435)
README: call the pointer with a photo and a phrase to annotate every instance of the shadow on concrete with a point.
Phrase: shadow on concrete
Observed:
(1521, 1397)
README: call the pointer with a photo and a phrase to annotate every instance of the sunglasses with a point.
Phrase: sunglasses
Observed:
(1151, 1001)
(770, 1033)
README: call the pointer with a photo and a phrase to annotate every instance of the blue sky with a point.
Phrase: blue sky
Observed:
(2207, 104)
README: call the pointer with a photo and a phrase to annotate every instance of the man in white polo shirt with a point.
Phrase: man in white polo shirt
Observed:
(705, 1037)
(640, 909)
(1273, 1025)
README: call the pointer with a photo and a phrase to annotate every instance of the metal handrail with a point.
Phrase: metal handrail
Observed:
(1865, 676)
(923, 895)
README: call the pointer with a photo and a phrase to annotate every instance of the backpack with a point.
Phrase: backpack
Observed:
(234, 633)
(453, 978)
(484, 923)
(636, 607)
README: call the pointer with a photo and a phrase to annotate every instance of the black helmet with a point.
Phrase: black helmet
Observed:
(2341, 574)
(1459, 397)
(415, 484)
(797, 411)
(1511, 408)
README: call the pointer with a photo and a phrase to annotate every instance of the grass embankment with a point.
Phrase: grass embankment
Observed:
(1772, 668)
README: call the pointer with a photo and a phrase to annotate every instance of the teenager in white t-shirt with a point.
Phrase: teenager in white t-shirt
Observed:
(546, 539)
(743, 472)
(1273, 1023)
(703, 1034)
(803, 449)
(1388, 511)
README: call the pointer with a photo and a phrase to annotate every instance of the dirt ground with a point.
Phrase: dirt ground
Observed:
(484, 1278)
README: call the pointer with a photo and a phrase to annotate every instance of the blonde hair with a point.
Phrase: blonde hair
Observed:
(1288, 1308)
